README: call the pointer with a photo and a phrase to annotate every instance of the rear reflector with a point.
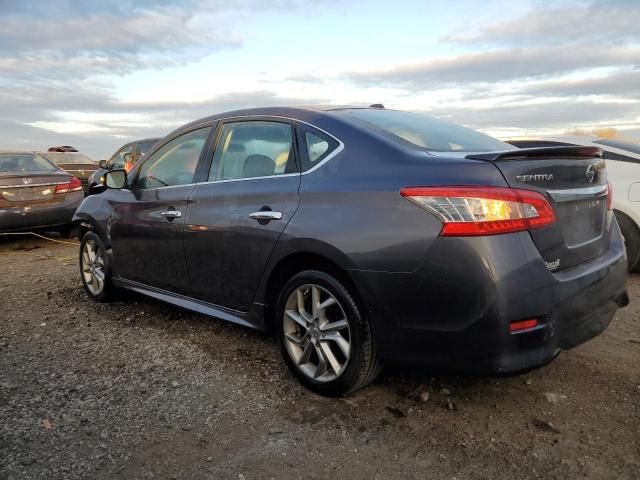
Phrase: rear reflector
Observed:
(73, 185)
(609, 195)
(521, 325)
(470, 211)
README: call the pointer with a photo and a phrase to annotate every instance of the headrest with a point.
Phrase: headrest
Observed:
(258, 166)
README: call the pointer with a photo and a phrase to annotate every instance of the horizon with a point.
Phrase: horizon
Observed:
(97, 75)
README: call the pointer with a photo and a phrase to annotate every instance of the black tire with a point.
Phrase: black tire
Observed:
(631, 236)
(107, 291)
(362, 366)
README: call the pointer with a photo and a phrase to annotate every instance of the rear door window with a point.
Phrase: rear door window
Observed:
(253, 149)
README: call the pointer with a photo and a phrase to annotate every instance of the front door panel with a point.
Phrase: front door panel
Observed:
(147, 245)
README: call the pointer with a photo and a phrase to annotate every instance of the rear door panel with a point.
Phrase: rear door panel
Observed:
(227, 251)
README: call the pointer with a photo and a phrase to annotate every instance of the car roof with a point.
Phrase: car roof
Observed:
(277, 111)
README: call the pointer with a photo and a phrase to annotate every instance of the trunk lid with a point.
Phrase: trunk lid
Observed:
(574, 180)
(30, 188)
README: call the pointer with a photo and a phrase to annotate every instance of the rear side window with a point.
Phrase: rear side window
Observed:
(316, 147)
(424, 132)
(253, 149)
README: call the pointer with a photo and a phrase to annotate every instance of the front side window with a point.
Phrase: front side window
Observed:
(175, 162)
(253, 149)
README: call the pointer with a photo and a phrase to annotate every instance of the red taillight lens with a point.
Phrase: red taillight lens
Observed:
(468, 211)
(73, 185)
(521, 325)
(609, 195)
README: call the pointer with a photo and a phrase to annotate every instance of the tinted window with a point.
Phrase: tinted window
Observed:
(629, 146)
(24, 163)
(253, 149)
(317, 147)
(67, 158)
(174, 163)
(425, 132)
(118, 160)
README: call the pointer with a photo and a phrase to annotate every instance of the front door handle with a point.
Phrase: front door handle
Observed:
(171, 214)
(266, 215)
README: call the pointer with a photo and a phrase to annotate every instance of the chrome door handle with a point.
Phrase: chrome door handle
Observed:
(266, 215)
(171, 214)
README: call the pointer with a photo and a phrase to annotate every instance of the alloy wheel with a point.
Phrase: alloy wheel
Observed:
(317, 334)
(93, 267)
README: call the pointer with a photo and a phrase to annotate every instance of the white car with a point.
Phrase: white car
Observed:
(623, 171)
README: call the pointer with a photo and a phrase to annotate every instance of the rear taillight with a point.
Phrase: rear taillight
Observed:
(73, 185)
(609, 195)
(468, 211)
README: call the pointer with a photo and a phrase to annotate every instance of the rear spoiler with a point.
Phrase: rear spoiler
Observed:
(521, 153)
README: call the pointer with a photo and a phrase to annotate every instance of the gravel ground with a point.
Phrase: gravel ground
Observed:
(139, 389)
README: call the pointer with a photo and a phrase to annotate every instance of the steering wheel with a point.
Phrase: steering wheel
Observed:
(151, 177)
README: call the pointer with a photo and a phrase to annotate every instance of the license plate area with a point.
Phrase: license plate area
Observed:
(582, 221)
(28, 194)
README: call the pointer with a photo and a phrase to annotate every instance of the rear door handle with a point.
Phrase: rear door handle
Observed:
(171, 214)
(266, 215)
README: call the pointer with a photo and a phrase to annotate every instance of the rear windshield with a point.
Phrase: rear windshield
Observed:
(628, 146)
(59, 157)
(24, 162)
(143, 147)
(426, 132)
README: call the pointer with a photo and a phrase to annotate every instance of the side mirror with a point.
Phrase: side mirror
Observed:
(102, 164)
(114, 179)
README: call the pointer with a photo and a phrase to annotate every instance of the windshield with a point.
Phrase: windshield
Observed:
(628, 146)
(60, 157)
(24, 162)
(426, 132)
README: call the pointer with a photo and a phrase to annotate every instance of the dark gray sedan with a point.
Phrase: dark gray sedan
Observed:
(361, 236)
(36, 194)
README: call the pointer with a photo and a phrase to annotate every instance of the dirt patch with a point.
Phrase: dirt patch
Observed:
(139, 389)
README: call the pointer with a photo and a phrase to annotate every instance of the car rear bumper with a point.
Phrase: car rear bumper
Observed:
(455, 310)
(25, 217)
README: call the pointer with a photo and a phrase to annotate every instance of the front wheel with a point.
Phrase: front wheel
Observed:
(94, 268)
(324, 338)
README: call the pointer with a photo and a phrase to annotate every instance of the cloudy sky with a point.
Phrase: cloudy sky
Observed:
(97, 74)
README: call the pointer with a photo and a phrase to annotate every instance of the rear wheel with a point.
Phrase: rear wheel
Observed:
(94, 268)
(631, 236)
(324, 338)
